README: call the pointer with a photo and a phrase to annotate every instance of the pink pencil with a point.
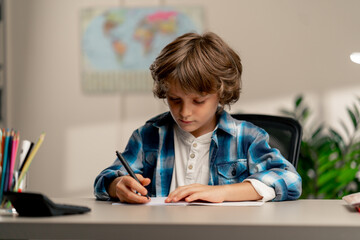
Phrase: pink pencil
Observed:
(13, 158)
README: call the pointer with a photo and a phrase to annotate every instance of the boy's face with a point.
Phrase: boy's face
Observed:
(193, 112)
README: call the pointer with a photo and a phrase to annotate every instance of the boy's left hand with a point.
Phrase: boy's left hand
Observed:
(196, 191)
(243, 191)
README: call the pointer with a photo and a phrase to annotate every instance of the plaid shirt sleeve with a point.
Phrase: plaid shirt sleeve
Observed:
(133, 154)
(267, 165)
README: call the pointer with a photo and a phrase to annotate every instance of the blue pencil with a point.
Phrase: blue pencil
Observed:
(11, 139)
(1, 133)
(5, 160)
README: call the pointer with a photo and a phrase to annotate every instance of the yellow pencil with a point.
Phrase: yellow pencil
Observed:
(28, 161)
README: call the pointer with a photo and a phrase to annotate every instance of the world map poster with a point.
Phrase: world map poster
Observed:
(119, 44)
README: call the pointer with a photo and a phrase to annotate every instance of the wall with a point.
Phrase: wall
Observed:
(287, 48)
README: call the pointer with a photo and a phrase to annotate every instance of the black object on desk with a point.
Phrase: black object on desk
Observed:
(38, 205)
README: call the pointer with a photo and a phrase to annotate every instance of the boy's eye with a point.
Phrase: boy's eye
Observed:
(174, 99)
(199, 102)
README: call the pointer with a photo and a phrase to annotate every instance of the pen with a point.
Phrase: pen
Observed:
(26, 148)
(128, 168)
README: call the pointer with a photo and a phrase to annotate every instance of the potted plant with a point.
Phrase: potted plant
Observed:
(329, 161)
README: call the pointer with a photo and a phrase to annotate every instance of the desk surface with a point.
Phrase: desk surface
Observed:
(301, 219)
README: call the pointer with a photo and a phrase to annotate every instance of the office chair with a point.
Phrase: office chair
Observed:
(285, 133)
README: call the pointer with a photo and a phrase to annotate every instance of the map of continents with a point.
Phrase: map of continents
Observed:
(130, 39)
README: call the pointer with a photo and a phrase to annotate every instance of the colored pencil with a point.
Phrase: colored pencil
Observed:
(13, 159)
(11, 141)
(3, 143)
(3, 175)
(1, 153)
(29, 160)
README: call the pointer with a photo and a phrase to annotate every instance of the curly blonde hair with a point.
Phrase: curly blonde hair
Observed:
(201, 64)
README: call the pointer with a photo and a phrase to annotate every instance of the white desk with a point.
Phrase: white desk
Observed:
(302, 219)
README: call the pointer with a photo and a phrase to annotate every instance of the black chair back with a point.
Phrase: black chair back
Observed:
(285, 133)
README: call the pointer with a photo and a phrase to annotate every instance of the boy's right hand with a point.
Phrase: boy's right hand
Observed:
(126, 188)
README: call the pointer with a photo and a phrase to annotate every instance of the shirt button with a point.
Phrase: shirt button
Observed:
(195, 145)
(192, 155)
(190, 167)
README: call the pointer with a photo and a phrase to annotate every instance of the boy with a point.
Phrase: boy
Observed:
(197, 151)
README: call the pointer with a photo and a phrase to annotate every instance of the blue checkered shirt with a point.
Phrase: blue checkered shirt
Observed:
(239, 150)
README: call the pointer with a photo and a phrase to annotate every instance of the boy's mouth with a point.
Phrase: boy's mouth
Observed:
(185, 122)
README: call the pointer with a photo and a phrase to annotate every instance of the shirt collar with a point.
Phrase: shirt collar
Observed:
(189, 138)
(161, 120)
(225, 122)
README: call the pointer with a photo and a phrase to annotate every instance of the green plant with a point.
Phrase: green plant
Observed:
(329, 161)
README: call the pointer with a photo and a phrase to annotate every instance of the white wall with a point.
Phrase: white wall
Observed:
(287, 48)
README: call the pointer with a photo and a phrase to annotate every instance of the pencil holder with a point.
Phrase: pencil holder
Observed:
(13, 177)
(13, 187)
(5, 206)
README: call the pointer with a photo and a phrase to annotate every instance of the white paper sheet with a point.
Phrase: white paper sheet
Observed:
(160, 201)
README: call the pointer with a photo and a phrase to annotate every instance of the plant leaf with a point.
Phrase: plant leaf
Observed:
(347, 175)
(341, 186)
(356, 109)
(353, 118)
(317, 131)
(326, 153)
(354, 154)
(287, 113)
(327, 178)
(328, 190)
(356, 145)
(326, 165)
(345, 128)
(305, 113)
(298, 101)
(338, 139)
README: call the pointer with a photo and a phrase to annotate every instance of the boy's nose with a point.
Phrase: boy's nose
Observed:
(185, 111)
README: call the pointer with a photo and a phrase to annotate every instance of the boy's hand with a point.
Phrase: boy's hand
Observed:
(231, 192)
(126, 188)
(196, 191)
